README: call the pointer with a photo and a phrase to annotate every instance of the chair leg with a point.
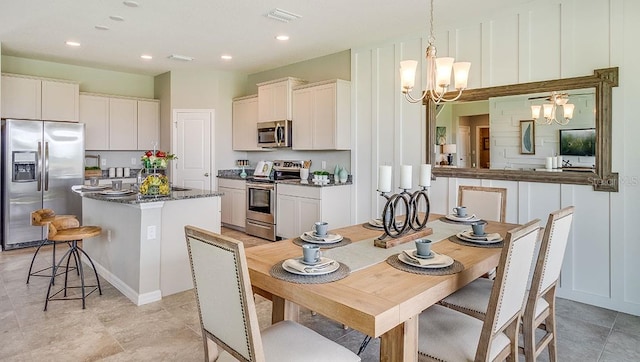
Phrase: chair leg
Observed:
(550, 326)
(34, 258)
(53, 276)
(92, 266)
(75, 248)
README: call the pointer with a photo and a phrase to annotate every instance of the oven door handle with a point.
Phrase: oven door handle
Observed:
(272, 203)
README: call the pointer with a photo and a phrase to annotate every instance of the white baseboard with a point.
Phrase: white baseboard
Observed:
(137, 299)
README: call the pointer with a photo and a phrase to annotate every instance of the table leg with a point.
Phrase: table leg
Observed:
(283, 309)
(401, 342)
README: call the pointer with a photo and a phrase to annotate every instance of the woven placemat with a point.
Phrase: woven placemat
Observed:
(444, 219)
(343, 242)
(278, 272)
(456, 267)
(457, 240)
(366, 225)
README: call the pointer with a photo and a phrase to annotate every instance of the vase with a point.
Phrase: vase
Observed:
(343, 175)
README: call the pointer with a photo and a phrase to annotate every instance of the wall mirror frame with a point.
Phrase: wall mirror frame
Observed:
(602, 179)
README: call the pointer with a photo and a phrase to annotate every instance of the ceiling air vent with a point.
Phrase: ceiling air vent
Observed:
(282, 15)
(180, 57)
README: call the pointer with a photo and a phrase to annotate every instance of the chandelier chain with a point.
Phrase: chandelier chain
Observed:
(432, 38)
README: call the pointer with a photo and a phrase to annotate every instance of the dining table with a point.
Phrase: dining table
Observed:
(375, 297)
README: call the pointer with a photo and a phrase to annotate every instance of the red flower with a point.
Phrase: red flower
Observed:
(149, 153)
(161, 154)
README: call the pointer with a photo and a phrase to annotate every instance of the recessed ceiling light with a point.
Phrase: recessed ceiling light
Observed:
(226, 57)
(101, 27)
(146, 57)
(116, 18)
(282, 37)
(72, 43)
(131, 3)
(180, 57)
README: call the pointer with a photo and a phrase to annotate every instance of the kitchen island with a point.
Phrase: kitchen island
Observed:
(142, 250)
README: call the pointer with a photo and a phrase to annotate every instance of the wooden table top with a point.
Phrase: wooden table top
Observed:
(380, 297)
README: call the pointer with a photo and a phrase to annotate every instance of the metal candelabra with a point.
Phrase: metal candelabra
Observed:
(395, 228)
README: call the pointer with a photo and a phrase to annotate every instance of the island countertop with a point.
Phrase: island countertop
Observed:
(139, 199)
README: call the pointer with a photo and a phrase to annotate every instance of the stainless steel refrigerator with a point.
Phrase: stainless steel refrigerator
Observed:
(41, 160)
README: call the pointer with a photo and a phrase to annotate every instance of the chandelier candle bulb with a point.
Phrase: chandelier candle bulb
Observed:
(384, 179)
(443, 72)
(461, 74)
(408, 73)
(535, 112)
(405, 176)
(568, 110)
(425, 175)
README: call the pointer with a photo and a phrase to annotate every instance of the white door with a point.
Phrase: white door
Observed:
(464, 146)
(192, 145)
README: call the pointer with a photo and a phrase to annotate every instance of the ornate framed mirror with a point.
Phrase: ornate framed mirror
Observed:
(593, 93)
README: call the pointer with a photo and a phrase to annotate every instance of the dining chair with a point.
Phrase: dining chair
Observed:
(228, 315)
(539, 310)
(447, 335)
(488, 203)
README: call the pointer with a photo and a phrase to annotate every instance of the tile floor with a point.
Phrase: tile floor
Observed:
(111, 328)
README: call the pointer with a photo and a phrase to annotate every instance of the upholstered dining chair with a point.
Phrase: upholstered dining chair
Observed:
(539, 310)
(448, 335)
(227, 310)
(488, 203)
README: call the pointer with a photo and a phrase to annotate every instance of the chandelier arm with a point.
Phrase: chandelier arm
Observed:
(410, 98)
(440, 97)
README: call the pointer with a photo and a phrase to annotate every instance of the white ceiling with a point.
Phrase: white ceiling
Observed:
(206, 29)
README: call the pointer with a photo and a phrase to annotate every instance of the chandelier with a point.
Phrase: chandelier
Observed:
(556, 100)
(438, 73)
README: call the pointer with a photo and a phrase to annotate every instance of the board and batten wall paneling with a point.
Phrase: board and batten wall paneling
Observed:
(534, 41)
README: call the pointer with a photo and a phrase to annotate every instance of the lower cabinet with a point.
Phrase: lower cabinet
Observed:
(299, 206)
(233, 202)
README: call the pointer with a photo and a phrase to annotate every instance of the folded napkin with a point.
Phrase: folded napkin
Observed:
(487, 237)
(462, 218)
(437, 258)
(327, 237)
(303, 268)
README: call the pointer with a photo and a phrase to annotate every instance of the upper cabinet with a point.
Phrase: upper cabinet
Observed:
(274, 99)
(114, 123)
(26, 97)
(245, 117)
(322, 116)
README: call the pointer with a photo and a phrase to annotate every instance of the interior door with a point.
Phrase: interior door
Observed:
(193, 147)
(464, 146)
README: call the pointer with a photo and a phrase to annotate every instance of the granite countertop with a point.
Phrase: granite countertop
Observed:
(310, 183)
(139, 199)
(232, 177)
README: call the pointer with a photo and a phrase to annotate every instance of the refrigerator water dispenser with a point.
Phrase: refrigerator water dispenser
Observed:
(24, 166)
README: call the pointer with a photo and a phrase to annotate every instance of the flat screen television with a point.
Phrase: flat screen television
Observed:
(578, 142)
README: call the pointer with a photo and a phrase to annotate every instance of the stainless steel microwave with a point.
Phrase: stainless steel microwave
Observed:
(274, 134)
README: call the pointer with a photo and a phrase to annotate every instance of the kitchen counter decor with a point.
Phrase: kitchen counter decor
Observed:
(155, 184)
(156, 159)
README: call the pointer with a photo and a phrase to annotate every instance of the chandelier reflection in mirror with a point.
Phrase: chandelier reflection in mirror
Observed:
(438, 73)
(550, 110)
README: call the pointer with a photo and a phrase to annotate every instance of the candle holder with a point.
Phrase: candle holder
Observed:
(411, 223)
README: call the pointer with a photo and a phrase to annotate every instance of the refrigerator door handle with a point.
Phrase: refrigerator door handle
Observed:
(38, 166)
(46, 166)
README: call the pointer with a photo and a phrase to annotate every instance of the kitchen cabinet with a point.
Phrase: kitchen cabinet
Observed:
(118, 123)
(233, 202)
(274, 99)
(322, 116)
(25, 97)
(299, 206)
(245, 117)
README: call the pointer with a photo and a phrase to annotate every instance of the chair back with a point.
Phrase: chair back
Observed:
(41, 216)
(552, 248)
(58, 224)
(488, 203)
(509, 288)
(223, 291)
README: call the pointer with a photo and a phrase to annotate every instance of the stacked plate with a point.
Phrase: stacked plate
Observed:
(94, 188)
(301, 267)
(377, 223)
(479, 239)
(312, 237)
(470, 218)
(431, 261)
(123, 192)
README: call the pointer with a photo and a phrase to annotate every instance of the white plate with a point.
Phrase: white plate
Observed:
(471, 218)
(94, 188)
(407, 260)
(467, 236)
(330, 269)
(333, 238)
(377, 223)
(116, 192)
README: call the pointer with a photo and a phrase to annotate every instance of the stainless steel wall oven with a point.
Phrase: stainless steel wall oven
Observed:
(261, 209)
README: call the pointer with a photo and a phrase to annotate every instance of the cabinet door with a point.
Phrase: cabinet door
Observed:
(21, 98)
(286, 216)
(226, 205)
(308, 212)
(265, 103)
(123, 129)
(148, 125)
(60, 101)
(324, 117)
(281, 101)
(245, 117)
(302, 119)
(239, 213)
(94, 113)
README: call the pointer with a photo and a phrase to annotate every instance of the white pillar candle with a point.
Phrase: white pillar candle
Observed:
(384, 179)
(405, 177)
(549, 163)
(554, 162)
(425, 175)
(559, 161)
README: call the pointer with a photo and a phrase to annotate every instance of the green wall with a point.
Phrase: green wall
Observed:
(91, 79)
(332, 66)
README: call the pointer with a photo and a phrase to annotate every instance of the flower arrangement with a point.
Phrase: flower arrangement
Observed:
(156, 159)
